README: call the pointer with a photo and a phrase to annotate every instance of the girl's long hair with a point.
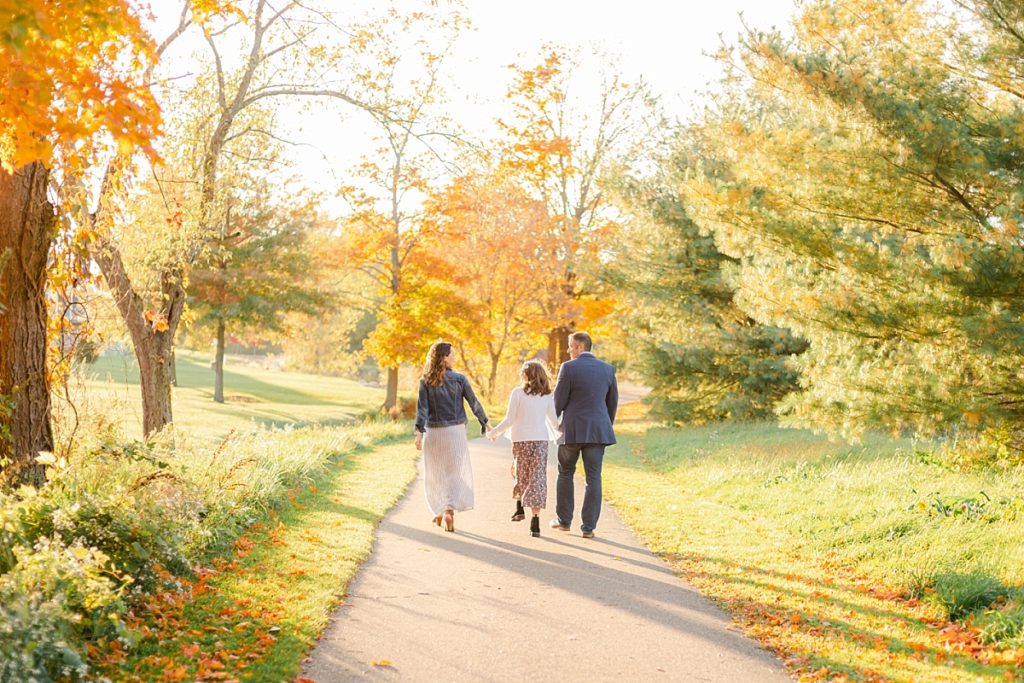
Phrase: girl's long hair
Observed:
(535, 378)
(434, 367)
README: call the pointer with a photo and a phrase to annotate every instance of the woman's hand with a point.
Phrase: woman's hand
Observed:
(491, 435)
(419, 441)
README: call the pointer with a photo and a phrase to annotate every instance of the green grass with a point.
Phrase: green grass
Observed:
(262, 606)
(253, 396)
(834, 555)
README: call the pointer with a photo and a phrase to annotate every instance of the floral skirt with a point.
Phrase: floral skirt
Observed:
(529, 466)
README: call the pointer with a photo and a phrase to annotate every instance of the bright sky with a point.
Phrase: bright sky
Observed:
(664, 41)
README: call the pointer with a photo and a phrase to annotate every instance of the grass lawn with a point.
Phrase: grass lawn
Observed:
(846, 560)
(253, 396)
(255, 610)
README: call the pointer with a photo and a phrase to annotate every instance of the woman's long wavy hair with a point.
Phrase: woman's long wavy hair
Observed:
(434, 367)
(535, 378)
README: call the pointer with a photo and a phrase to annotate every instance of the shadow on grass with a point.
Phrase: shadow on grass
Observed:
(854, 636)
(817, 593)
(815, 624)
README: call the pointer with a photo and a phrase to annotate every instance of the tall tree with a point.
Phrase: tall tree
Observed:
(402, 89)
(500, 240)
(703, 357)
(71, 78)
(257, 272)
(560, 148)
(273, 42)
(873, 190)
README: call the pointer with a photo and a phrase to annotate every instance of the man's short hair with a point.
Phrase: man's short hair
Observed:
(583, 339)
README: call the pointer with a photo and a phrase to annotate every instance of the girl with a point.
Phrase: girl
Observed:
(532, 424)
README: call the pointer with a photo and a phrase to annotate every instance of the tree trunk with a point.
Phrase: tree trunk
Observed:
(218, 364)
(27, 227)
(174, 367)
(155, 364)
(391, 397)
(558, 346)
(154, 348)
(492, 380)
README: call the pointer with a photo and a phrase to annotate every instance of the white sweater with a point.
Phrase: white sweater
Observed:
(529, 418)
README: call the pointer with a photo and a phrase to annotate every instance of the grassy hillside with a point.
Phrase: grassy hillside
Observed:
(253, 396)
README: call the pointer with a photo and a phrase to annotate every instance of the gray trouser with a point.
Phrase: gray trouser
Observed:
(568, 455)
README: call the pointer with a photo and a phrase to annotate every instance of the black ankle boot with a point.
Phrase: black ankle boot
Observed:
(535, 526)
(520, 514)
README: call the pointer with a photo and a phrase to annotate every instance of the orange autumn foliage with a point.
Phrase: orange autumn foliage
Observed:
(70, 71)
(502, 242)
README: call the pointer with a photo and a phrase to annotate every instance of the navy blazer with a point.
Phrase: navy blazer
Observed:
(586, 396)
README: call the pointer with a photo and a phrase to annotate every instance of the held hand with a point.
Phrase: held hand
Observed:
(491, 435)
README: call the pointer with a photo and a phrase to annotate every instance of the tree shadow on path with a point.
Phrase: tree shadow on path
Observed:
(655, 595)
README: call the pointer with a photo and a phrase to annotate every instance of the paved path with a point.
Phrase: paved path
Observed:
(491, 603)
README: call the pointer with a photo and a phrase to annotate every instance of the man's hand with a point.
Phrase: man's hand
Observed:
(419, 441)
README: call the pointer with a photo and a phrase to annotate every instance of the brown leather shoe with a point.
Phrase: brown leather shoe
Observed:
(555, 524)
(588, 534)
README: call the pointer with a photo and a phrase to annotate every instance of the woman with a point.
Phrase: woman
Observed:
(440, 413)
(532, 422)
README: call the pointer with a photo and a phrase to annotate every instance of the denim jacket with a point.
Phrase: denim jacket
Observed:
(442, 406)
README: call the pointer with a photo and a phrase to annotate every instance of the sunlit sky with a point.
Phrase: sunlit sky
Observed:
(666, 43)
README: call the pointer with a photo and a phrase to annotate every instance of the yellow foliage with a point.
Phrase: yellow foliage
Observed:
(69, 71)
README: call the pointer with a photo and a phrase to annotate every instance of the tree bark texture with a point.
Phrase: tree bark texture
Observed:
(558, 346)
(27, 228)
(154, 349)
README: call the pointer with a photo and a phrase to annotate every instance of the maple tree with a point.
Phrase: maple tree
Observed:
(559, 149)
(500, 240)
(72, 78)
(414, 299)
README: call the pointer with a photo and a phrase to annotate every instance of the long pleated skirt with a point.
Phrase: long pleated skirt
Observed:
(447, 473)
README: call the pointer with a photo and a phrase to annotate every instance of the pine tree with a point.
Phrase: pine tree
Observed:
(873, 193)
(704, 358)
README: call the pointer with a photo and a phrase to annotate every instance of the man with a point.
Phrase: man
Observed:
(586, 396)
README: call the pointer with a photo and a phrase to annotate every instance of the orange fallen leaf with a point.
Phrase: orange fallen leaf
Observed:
(381, 663)
(176, 674)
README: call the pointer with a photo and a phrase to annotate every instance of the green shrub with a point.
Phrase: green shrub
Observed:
(115, 514)
(996, 447)
(54, 599)
(135, 533)
(13, 531)
(34, 640)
